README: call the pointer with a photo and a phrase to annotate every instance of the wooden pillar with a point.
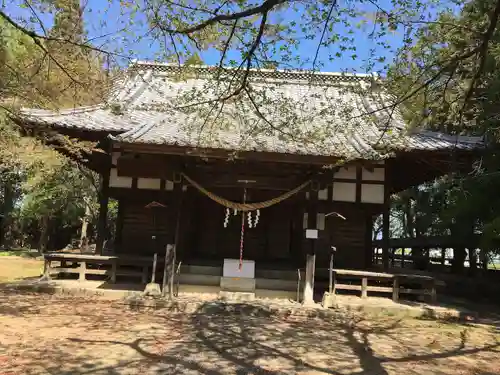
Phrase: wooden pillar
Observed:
(167, 287)
(395, 289)
(312, 215)
(385, 220)
(370, 253)
(103, 212)
(385, 237)
(82, 271)
(364, 287)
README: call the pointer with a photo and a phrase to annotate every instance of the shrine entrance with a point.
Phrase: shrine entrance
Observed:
(262, 235)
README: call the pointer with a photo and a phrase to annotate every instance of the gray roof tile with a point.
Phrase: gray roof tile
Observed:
(347, 116)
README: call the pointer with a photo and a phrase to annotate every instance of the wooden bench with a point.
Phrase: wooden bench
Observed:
(111, 266)
(427, 283)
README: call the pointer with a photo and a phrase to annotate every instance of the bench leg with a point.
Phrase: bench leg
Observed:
(364, 287)
(433, 296)
(83, 268)
(46, 269)
(395, 289)
(113, 272)
(334, 281)
(145, 275)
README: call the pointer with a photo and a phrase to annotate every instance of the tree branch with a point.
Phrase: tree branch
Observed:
(264, 8)
(483, 49)
(327, 21)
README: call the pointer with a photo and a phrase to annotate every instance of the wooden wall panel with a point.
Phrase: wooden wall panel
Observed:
(278, 237)
(138, 228)
(268, 241)
(348, 236)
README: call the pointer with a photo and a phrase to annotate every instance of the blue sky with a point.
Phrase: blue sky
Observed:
(109, 25)
(103, 18)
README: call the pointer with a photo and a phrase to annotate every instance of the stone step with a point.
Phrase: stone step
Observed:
(236, 296)
(198, 279)
(276, 284)
(201, 270)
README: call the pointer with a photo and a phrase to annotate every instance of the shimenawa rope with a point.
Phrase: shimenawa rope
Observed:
(245, 206)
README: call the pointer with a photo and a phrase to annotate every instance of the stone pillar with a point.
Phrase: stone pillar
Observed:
(308, 297)
(312, 215)
(171, 251)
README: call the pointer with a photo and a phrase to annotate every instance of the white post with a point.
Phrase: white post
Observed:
(309, 281)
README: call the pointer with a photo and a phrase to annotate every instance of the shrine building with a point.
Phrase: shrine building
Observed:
(274, 178)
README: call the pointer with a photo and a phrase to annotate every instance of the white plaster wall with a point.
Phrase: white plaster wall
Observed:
(377, 174)
(344, 192)
(149, 183)
(348, 172)
(114, 157)
(119, 181)
(323, 195)
(371, 193)
(320, 221)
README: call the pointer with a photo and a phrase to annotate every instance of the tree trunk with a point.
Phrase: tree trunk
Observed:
(483, 255)
(6, 222)
(472, 261)
(85, 225)
(44, 231)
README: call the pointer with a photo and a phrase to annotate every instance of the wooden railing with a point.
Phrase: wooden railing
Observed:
(382, 282)
(83, 265)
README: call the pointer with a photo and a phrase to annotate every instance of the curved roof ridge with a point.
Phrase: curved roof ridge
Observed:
(61, 112)
(291, 74)
(450, 137)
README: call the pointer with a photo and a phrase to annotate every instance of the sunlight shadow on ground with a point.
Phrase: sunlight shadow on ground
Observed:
(63, 335)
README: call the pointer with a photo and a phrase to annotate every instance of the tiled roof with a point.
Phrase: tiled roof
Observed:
(344, 115)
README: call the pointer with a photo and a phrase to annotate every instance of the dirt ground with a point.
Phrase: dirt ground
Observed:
(49, 334)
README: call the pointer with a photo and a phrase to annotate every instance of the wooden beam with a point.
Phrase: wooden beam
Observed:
(432, 241)
(230, 154)
(368, 240)
(359, 177)
(142, 195)
(385, 223)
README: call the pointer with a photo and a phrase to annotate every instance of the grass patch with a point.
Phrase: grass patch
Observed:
(12, 269)
(25, 253)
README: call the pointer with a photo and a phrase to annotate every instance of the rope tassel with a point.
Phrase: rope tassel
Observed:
(226, 219)
(257, 217)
